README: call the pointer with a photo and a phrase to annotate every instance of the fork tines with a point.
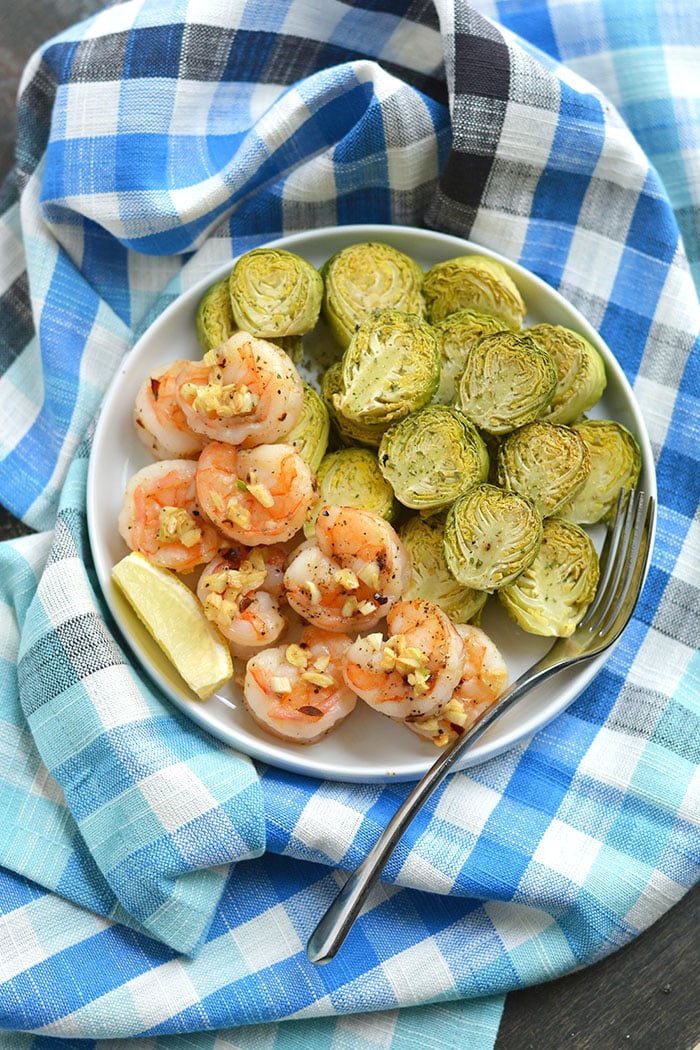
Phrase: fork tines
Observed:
(622, 560)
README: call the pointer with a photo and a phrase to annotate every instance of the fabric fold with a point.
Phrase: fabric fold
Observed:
(163, 808)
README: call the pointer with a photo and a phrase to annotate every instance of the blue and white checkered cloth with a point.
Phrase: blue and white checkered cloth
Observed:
(155, 884)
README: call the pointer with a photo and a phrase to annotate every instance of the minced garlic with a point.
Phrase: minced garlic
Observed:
(236, 513)
(347, 579)
(258, 491)
(318, 678)
(216, 399)
(313, 590)
(369, 574)
(226, 587)
(408, 661)
(177, 525)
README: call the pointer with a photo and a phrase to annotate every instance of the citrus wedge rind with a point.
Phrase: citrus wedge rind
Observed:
(174, 618)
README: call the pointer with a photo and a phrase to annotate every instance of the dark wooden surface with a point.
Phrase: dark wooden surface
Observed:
(644, 997)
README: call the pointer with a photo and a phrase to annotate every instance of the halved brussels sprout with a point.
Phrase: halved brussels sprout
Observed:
(430, 577)
(457, 334)
(431, 456)
(214, 321)
(550, 596)
(275, 293)
(310, 433)
(350, 477)
(349, 430)
(491, 536)
(581, 370)
(545, 462)
(365, 277)
(474, 282)
(215, 324)
(616, 461)
(390, 368)
(508, 380)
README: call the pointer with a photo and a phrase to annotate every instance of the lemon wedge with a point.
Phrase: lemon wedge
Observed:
(175, 619)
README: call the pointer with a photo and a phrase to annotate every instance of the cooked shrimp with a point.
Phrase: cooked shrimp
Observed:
(158, 417)
(415, 670)
(297, 691)
(240, 593)
(255, 495)
(245, 392)
(161, 517)
(350, 574)
(484, 677)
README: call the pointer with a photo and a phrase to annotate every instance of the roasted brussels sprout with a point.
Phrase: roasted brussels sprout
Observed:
(474, 282)
(581, 370)
(491, 535)
(390, 368)
(616, 461)
(545, 462)
(430, 577)
(310, 433)
(457, 334)
(552, 594)
(365, 277)
(508, 380)
(214, 321)
(350, 431)
(350, 477)
(431, 456)
(275, 293)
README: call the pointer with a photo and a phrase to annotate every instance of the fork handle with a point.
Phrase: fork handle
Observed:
(337, 921)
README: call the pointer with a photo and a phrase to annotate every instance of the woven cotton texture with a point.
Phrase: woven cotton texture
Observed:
(156, 884)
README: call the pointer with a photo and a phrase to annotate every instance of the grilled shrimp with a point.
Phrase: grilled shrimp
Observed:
(350, 574)
(415, 670)
(158, 417)
(255, 495)
(245, 392)
(240, 592)
(297, 691)
(161, 517)
(484, 677)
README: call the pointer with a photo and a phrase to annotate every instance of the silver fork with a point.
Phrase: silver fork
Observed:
(623, 562)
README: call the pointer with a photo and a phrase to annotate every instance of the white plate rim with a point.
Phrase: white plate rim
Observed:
(320, 760)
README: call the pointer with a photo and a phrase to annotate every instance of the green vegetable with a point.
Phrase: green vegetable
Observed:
(551, 595)
(310, 433)
(473, 282)
(457, 334)
(365, 277)
(581, 371)
(350, 477)
(390, 368)
(431, 456)
(275, 293)
(430, 577)
(491, 536)
(616, 461)
(544, 461)
(508, 380)
(214, 321)
(349, 430)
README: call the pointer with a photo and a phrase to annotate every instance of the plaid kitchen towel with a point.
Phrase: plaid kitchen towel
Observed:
(157, 885)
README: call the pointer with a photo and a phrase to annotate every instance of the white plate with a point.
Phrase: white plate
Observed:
(368, 747)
